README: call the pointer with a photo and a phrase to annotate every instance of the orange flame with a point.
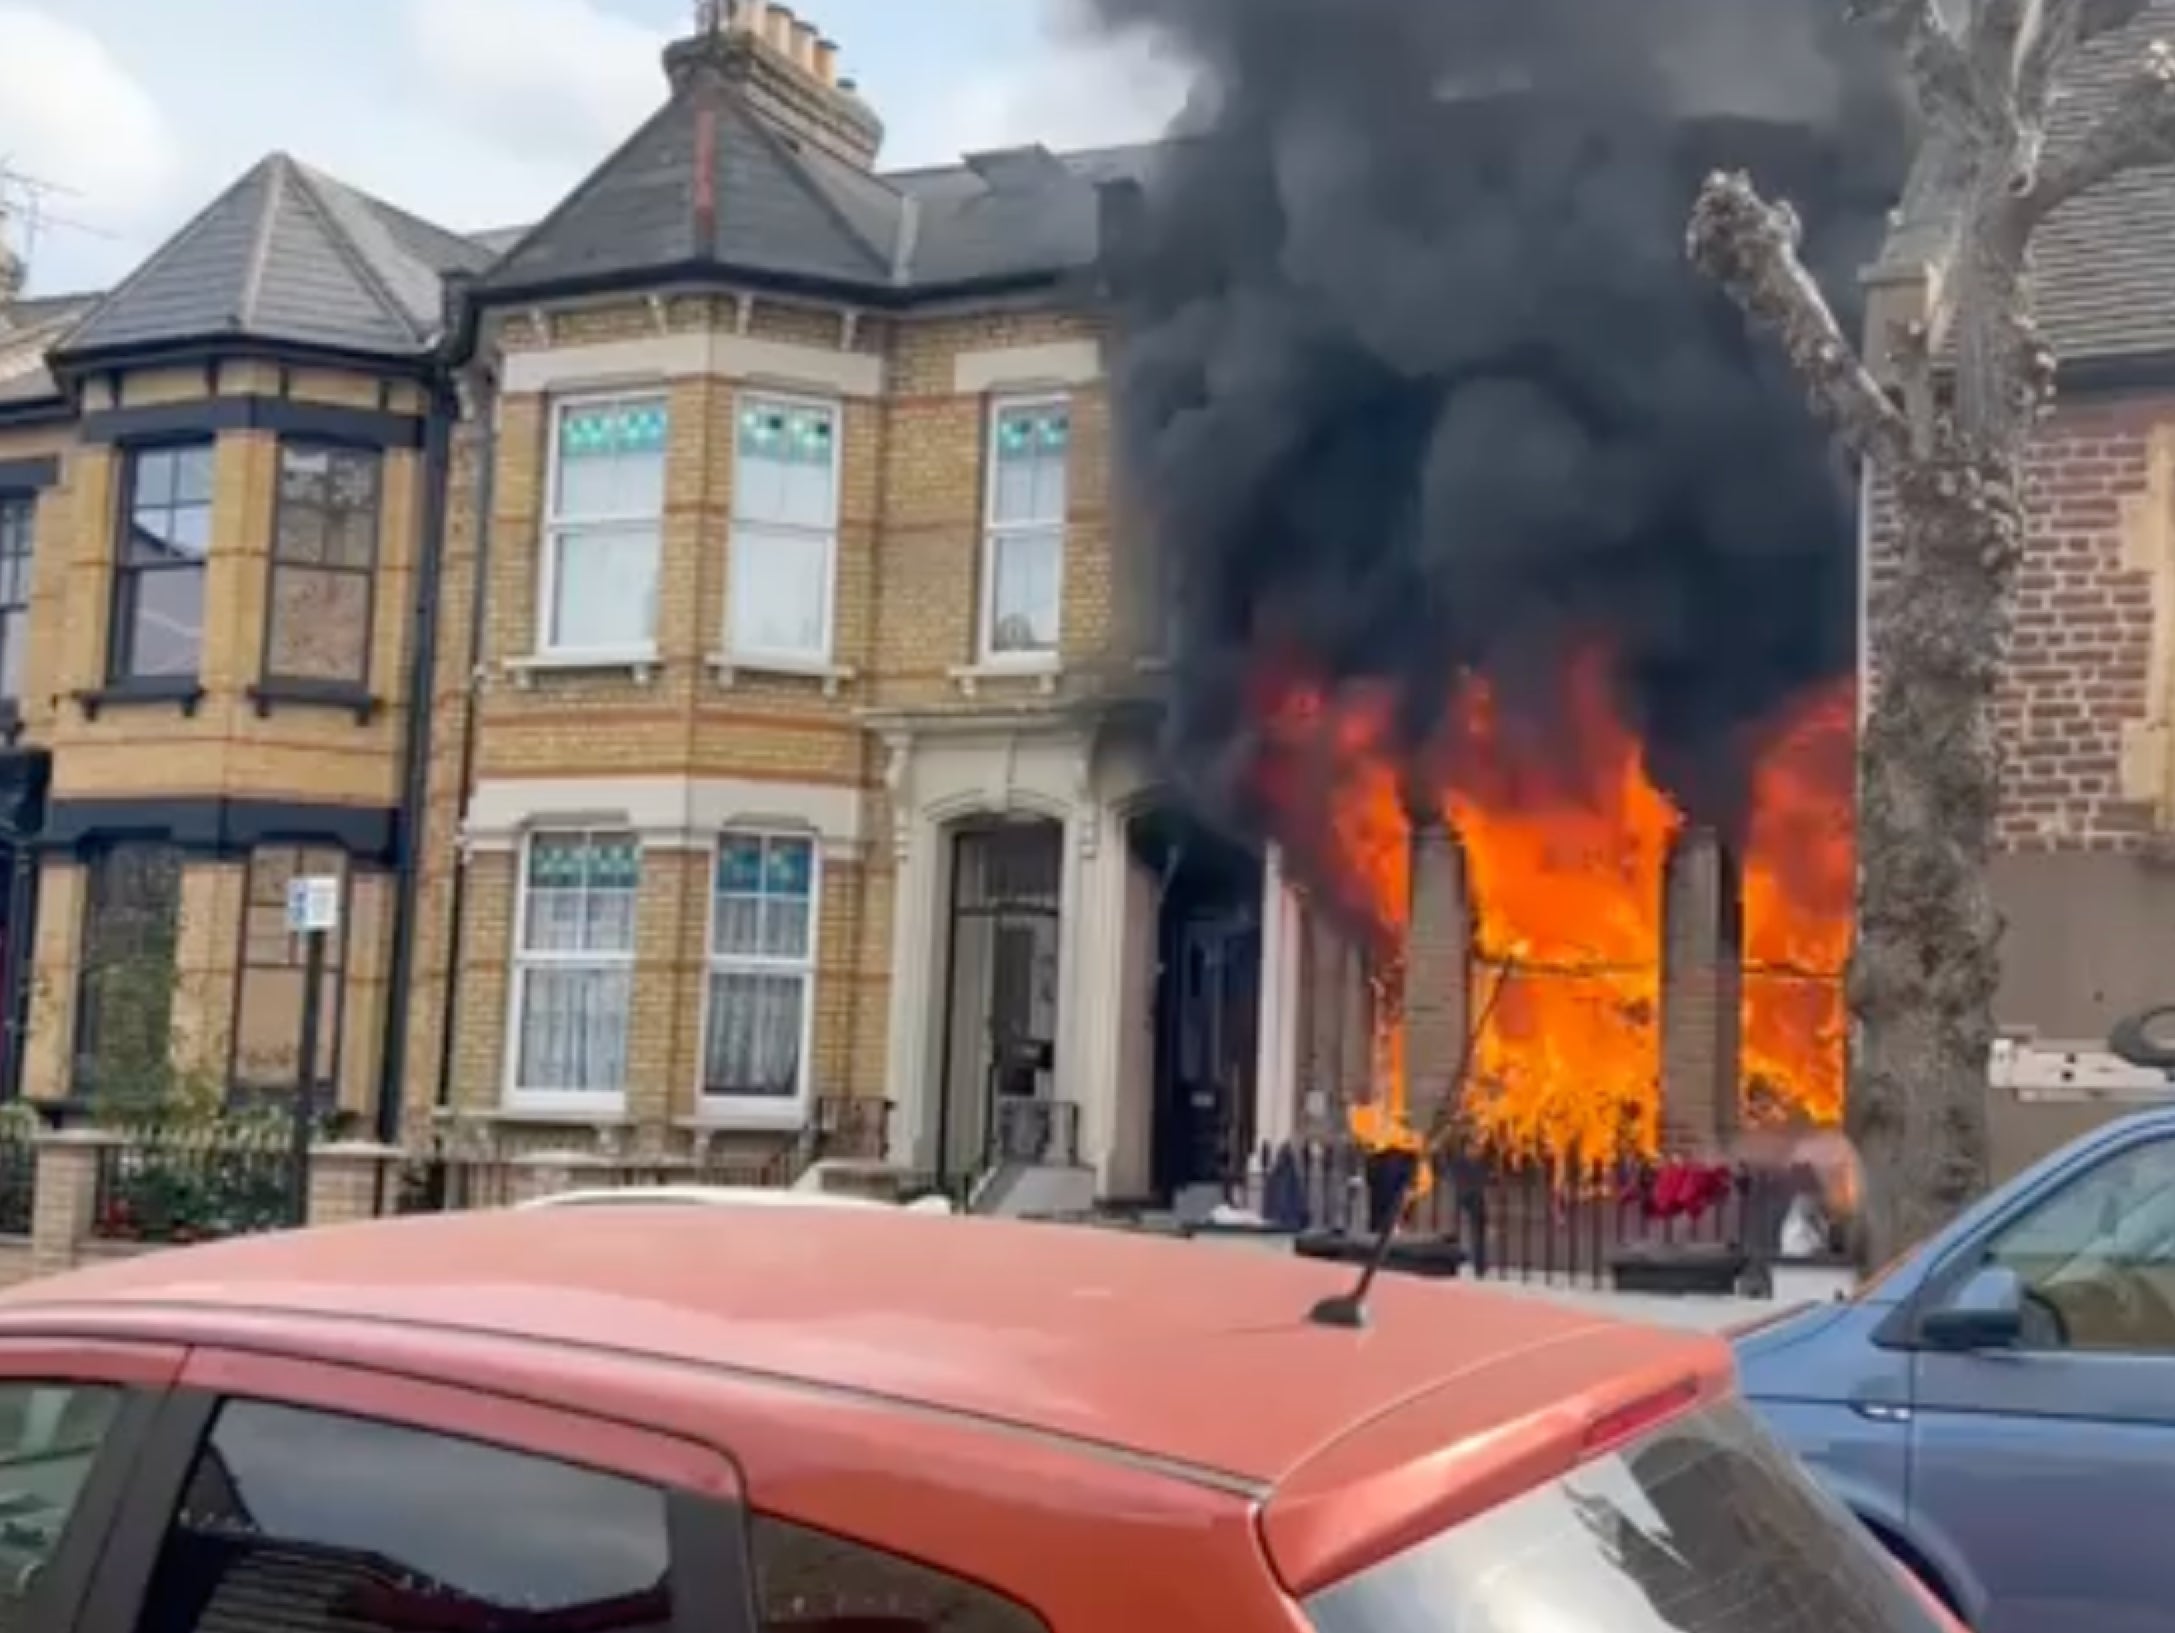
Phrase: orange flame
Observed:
(1566, 838)
(1799, 876)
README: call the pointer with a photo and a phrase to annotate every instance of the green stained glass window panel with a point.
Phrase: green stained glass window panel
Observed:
(1034, 434)
(613, 430)
(614, 864)
(789, 865)
(798, 436)
(740, 867)
(556, 864)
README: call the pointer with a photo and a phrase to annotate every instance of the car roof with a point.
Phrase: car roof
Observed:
(1198, 1356)
(738, 1196)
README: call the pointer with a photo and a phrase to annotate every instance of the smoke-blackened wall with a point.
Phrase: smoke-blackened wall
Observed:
(1414, 376)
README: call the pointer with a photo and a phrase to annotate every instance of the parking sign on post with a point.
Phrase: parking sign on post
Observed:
(313, 904)
(313, 913)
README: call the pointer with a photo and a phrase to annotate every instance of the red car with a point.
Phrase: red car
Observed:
(722, 1420)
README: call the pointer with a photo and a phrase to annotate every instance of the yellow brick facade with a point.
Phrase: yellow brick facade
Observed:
(239, 770)
(906, 616)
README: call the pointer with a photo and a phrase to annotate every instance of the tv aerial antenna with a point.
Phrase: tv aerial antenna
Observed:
(24, 202)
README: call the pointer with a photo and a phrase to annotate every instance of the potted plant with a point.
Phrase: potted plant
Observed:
(1680, 1194)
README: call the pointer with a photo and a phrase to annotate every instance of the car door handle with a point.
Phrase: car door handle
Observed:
(1881, 1411)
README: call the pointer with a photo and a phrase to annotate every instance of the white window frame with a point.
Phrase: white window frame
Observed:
(555, 527)
(743, 1111)
(987, 655)
(735, 653)
(549, 1101)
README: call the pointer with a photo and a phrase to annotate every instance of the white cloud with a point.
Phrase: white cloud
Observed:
(72, 114)
(543, 78)
(1083, 95)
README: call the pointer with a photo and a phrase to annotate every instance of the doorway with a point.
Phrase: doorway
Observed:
(1207, 1002)
(1000, 988)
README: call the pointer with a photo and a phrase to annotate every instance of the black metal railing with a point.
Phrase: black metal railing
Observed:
(195, 1184)
(1571, 1221)
(18, 1182)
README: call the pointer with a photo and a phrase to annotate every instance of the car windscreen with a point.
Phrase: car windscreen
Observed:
(1703, 1526)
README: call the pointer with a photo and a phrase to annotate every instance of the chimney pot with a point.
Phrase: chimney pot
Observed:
(804, 44)
(827, 62)
(778, 30)
(751, 17)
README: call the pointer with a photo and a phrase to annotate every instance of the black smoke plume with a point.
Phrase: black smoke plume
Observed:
(1414, 376)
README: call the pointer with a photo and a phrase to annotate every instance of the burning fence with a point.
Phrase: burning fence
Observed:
(1661, 985)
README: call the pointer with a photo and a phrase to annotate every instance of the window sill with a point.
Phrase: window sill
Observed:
(724, 1116)
(185, 694)
(1043, 671)
(644, 665)
(728, 667)
(573, 1110)
(269, 695)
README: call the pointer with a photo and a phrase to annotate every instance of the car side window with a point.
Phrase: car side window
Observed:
(299, 1521)
(809, 1579)
(50, 1434)
(2097, 1258)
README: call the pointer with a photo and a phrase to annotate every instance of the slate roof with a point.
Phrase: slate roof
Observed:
(2106, 261)
(28, 329)
(287, 254)
(781, 207)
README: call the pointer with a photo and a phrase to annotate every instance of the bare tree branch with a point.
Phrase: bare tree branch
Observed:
(1941, 74)
(1750, 248)
(2138, 129)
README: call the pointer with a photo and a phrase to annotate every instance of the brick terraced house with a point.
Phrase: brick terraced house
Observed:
(695, 627)
(2086, 875)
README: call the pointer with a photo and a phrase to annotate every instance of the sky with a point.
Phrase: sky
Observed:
(477, 113)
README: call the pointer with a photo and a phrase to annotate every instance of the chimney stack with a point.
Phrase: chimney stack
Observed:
(784, 69)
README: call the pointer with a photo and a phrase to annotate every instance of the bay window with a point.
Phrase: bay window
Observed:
(157, 632)
(574, 964)
(759, 1008)
(18, 519)
(784, 532)
(125, 974)
(1023, 567)
(604, 526)
(318, 624)
(267, 1066)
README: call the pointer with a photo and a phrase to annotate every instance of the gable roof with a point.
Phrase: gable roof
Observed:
(287, 254)
(759, 201)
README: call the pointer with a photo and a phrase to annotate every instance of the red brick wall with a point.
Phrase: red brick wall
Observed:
(2079, 672)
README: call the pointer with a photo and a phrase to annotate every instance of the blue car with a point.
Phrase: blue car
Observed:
(1998, 1406)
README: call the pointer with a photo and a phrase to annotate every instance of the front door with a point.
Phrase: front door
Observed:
(1214, 1025)
(2046, 1467)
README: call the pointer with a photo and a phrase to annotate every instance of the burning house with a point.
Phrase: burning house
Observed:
(1517, 594)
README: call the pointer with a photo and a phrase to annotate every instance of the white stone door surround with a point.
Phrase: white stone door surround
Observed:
(943, 772)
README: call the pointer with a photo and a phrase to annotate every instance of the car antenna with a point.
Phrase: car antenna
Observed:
(1349, 1310)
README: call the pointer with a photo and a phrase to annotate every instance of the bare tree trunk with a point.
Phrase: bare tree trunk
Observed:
(1950, 458)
